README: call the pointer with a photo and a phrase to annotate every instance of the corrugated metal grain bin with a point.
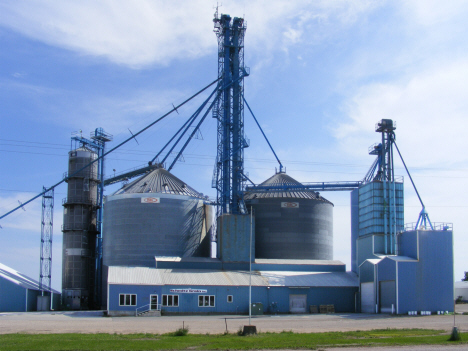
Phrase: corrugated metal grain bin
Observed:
(156, 215)
(291, 224)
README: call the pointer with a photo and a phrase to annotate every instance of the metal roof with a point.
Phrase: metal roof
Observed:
(159, 181)
(282, 179)
(312, 279)
(154, 276)
(209, 277)
(20, 279)
(185, 259)
(134, 276)
(298, 262)
(375, 261)
(197, 277)
(402, 258)
(257, 261)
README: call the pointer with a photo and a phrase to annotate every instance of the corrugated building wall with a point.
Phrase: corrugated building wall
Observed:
(419, 279)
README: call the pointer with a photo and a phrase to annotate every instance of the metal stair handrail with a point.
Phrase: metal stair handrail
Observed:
(146, 308)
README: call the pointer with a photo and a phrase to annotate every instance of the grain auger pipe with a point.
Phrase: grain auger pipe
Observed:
(111, 150)
(274, 153)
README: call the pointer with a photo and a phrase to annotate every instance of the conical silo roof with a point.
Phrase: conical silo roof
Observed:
(282, 179)
(159, 181)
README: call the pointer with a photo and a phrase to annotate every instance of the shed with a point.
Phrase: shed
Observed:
(19, 293)
(461, 289)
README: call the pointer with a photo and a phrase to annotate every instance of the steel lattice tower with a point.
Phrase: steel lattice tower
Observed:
(386, 175)
(229, 111)
(47, 226)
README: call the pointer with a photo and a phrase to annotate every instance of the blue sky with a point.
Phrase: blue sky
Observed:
(322, 74)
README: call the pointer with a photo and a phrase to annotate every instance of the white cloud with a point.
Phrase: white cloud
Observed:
(141, 33)
(27, 218)
(434, 12)
(430, 110)
(134, 112)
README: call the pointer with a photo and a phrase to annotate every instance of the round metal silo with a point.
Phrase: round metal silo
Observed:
(291, 224)
(155, 215)
(79, 229)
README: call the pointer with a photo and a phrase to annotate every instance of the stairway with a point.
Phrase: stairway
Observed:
(150, 313)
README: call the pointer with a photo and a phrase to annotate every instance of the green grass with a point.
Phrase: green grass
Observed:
(283, 340)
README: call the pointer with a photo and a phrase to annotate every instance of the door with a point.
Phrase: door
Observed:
(367, 298)
(387, 296)
(154, 302)
(297, 303)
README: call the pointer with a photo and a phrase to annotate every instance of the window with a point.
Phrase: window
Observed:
(206, 301)
(229, 298)
(170, 300)
(127, 299)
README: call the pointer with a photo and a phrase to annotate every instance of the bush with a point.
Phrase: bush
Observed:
(181, 331)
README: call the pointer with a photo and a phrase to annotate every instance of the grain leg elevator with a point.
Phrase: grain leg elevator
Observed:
(402, 268)
(228, 177)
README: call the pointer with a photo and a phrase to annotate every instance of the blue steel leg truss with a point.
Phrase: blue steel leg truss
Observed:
(384, 172)
(47, 229)
(100, 138)
(229, 111)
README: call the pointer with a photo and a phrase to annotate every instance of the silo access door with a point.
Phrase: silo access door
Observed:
(367, 298)
(387, 296)
(297, 303)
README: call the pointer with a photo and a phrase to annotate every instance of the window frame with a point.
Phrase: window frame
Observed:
(206, 301)
(174, 298)
(127, 299)
(232, 298)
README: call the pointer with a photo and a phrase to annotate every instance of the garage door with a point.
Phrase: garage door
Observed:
(387, 296)
(297, 303)
(367, 298)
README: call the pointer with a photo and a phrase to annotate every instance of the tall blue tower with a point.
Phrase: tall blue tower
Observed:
(229, 111)
(377, 206)
(234, 227)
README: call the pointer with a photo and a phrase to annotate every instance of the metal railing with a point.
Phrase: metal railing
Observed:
(147, 308)
(435, 226)
(93, 175)
(79, 200)
(75, 226)
(324, 186)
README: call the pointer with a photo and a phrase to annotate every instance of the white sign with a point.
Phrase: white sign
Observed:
(150, 200)
(188, 291)
(290, 204)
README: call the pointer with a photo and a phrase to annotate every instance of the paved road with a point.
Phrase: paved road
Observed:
(92, 322)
